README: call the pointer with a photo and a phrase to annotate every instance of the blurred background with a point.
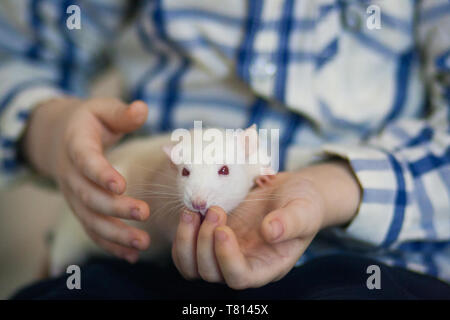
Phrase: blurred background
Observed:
(27, 212)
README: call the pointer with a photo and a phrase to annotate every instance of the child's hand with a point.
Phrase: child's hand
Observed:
(266, 235)
(65, 140)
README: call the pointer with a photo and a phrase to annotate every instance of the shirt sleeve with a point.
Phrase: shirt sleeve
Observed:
(42, 58)
(404, 171)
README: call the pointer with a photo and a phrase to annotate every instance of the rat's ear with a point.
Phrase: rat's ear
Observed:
(167, 148)
(252, 128)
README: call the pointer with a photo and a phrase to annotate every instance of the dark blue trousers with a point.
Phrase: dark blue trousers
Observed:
(331, 277)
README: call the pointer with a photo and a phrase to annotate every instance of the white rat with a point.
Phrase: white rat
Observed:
(152, 175)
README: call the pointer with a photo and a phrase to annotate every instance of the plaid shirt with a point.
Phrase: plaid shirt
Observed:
(313, 69)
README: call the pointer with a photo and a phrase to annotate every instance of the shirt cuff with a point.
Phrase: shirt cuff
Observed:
(380, 176)
(13, 122)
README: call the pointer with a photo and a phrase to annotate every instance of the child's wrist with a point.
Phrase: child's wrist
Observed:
(340, 190)
(42, 132)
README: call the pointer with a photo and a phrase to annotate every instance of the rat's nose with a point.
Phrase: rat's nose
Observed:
(199, 205)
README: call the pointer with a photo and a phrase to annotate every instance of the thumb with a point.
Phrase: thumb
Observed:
(298, 218)
(120, 117)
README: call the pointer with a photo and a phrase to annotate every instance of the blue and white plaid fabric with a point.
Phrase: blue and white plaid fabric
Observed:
(312, 68)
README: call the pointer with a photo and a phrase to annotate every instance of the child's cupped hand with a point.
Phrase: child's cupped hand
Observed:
(263, 238)
(65, 139)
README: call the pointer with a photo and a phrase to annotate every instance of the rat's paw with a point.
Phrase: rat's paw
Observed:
(262, 181)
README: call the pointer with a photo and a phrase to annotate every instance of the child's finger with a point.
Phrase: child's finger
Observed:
(129, 254)
(109, 228)
(116, 231)
(118, 116)
(299, 218)
(100, 201)
(206, 258)
(186, 240)
(175, 256)
(232, 262)
(85, 153)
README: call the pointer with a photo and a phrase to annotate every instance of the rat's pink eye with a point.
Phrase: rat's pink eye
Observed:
(185, 172)
(224, 170)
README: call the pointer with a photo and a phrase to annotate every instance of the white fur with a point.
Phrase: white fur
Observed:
(204, 183)
(71, 244)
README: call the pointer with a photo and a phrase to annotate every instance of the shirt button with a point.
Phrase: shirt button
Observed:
(263, 69)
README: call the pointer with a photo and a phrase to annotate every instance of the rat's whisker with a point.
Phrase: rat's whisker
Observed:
(157, 171)
(261, 199)
(154, 197)
(175, 202)
(149, 193)
(151, 185)
(253, 201)
(169, 213)
(154, 192)
(239, 215)
(176, 210)
(172, 199)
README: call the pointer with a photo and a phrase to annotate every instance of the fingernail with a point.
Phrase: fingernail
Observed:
(187, 217)
(140, 116)
(135, 214)
(113, 187)
(131, 258)
(136, 244)
(276, 229)
(211, 216)
(221, 235)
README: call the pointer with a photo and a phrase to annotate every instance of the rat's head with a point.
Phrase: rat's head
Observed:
(224, 182)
